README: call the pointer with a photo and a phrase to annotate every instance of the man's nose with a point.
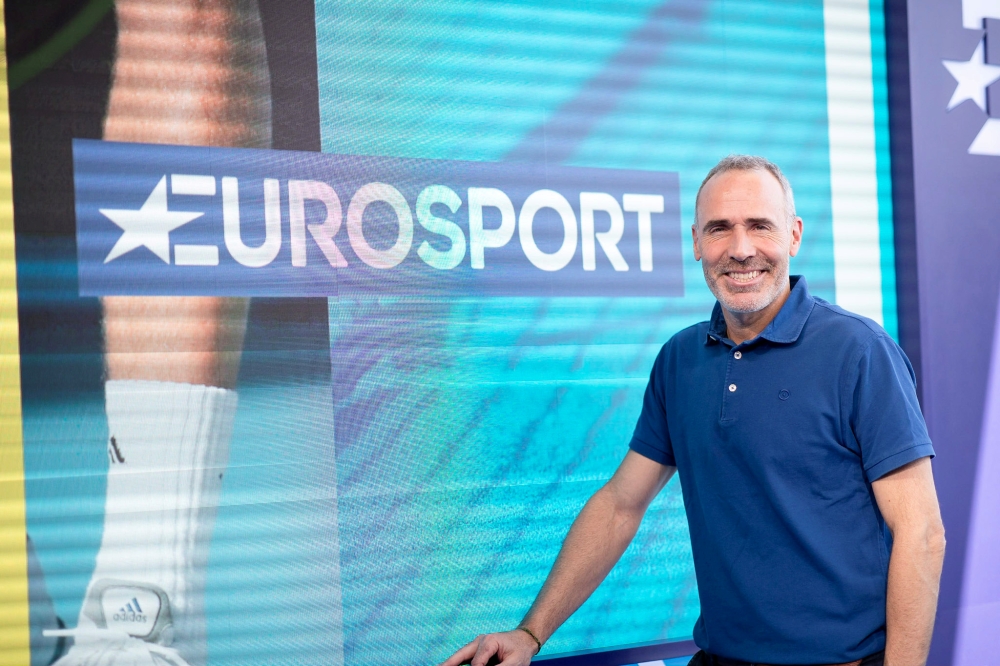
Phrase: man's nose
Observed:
(740, 245)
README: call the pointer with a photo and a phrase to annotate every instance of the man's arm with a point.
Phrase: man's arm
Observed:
(908, 502)
(598, 537)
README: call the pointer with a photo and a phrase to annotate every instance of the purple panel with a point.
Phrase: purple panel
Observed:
(958, 236)
(976, 639)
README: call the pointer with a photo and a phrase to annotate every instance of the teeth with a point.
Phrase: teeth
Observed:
(745, 277)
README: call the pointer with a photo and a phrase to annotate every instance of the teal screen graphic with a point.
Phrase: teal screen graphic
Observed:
(470, 431)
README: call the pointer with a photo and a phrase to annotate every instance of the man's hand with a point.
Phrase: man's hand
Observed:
(511, 648)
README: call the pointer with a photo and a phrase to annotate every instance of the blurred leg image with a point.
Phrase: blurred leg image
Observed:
(188, 72)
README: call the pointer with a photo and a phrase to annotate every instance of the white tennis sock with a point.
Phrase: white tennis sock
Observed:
(168, 447)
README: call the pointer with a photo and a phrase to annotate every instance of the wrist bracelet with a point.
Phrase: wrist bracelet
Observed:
(533, 637)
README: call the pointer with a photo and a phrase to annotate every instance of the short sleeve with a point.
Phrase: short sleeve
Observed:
(651, 437)
(885, 415)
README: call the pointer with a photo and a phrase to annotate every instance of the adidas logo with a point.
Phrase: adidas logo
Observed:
(131, 611)
(131, 608)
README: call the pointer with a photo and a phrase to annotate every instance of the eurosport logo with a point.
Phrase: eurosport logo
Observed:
(974, 76)
(175, 220)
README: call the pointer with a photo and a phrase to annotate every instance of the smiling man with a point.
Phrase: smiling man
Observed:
(803, 456)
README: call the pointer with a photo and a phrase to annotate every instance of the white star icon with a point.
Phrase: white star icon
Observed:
(973, 76)
(149, 226)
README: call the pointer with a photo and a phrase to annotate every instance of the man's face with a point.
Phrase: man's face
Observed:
(744, 240)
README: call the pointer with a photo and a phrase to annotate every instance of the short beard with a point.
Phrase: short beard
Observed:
(759, 300)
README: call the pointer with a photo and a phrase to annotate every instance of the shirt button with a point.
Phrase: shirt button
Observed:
(738, 355)
(732, 387)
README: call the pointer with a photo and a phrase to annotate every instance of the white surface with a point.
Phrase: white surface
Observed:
(853, 180)
(973, 76)
(168, 448)
(974, 11)
(987, 142)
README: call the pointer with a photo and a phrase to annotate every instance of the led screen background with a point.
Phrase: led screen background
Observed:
(401, 475)
(438, 531)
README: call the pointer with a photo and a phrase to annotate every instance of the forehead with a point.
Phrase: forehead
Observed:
(734, 195)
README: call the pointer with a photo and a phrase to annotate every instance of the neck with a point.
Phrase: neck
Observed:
(743, 326)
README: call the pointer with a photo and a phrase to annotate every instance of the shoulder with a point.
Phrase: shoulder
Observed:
(861, 341)
(833, 322)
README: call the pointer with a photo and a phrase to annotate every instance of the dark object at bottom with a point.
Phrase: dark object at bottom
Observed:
(703, 658)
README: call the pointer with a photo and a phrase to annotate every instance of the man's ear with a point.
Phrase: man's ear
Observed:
(796, 237)
(694, 242)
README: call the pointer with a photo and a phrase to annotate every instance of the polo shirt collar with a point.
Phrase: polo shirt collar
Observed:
(784, 328)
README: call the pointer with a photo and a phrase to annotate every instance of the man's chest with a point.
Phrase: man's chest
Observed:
(759, 409)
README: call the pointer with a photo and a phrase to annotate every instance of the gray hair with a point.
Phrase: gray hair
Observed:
(751, 163)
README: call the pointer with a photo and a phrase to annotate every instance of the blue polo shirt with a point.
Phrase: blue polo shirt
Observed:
(777, 441)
